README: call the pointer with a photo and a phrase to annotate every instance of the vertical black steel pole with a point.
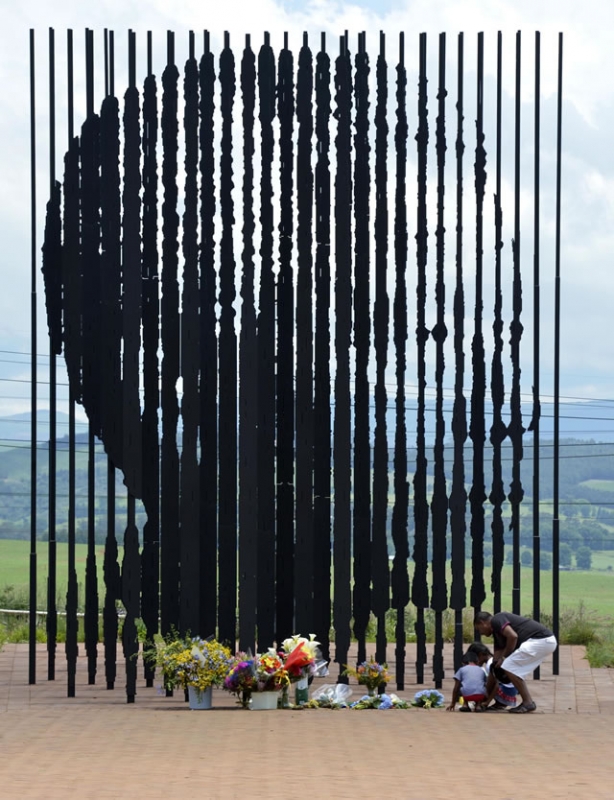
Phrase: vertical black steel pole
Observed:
(91, 576)
(477, 431)
(91, 579)
(343, 328)
(248, 375)
(322, 388)
(110, 296)
(303, 556)
(189, 510)
(536, 342)
(131, 328)
(420, 593)
(73, 340)
(516, 430)
(92, 287)
(458, 494)
(169, 469)
(150, 558)
(266, 358)
(380, 568)
(227, 593)
(112, 584)
(208, 351)
(33, 376)
(498, 430)
(361, 605)
(439, 505)
(557, 364)
(285, 394)
(400, 577)
(52, 617)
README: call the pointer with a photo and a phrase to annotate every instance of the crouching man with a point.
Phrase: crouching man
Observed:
(520, 646)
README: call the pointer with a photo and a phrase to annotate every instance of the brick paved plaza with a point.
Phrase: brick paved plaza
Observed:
(97, 746)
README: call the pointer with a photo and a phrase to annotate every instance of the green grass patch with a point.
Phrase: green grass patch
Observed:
(600, 652)
(15, 568)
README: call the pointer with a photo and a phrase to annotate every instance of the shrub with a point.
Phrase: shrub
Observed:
(576, 626)
(600, 652)
(584, 558)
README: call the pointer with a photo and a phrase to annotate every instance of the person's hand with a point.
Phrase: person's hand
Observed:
(451, 707)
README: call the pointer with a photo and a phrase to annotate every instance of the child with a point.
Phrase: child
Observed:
(470, 684)
(504, 692)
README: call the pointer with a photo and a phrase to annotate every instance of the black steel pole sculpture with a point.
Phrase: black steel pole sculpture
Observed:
(477, 426)
(498, 430)
(305, 553)
(439, 505)
(208, 361)
(322, 353)
(285, 388)
(265, 591)
(227, 368)
(248, 376)
(400, 511)
(515, 428)
(228, 428)
(420, 591)
(361, 517)
(343, 328)
(380, 569)
(458, 493)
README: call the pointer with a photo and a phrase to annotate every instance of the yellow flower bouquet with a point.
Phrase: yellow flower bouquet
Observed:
(195, 662)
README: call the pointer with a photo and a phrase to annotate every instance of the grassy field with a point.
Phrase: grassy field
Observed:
(594, 588)
(15, 569)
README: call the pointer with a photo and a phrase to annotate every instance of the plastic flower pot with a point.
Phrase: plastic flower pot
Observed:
(264, 701)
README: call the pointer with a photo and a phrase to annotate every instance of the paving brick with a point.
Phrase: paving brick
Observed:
(97, 746)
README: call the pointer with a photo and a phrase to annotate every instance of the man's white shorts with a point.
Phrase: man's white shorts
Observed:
(529, 656)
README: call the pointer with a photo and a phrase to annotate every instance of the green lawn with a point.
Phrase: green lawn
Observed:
(15, 567)
(595, 588)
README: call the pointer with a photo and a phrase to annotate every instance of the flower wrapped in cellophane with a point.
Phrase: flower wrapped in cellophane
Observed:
(428, 698)
(302, 657)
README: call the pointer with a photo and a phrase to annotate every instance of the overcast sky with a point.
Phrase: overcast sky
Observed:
(588, 165)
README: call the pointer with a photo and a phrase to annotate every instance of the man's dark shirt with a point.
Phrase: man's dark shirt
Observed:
(524, 627)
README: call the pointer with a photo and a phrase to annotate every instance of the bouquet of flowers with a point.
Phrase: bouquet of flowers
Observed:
(241, 679)
(260, 673)
(186, 661)
(380, 701)
(301, 656)
(369, 674)
(428, 698)
(302, 659)
(210, 663)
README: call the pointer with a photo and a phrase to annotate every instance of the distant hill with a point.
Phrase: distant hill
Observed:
(586, 472)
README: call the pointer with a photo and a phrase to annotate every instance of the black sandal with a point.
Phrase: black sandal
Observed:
(523, 708)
